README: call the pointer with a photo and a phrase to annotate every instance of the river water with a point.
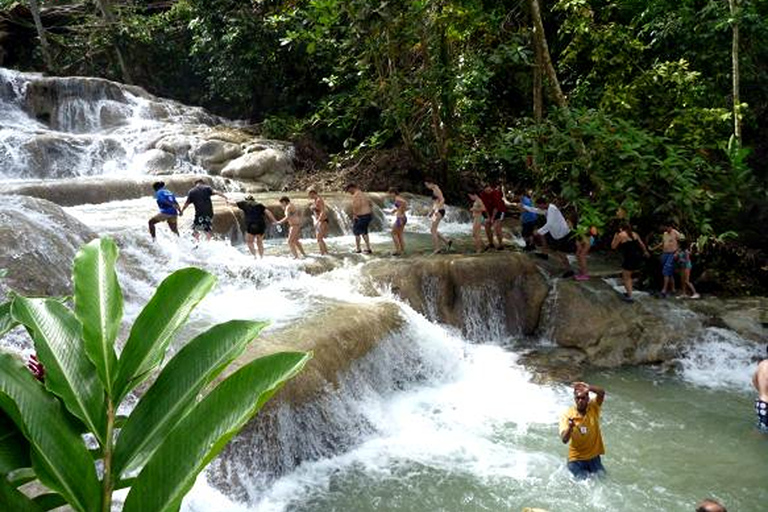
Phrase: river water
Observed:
(454, 423)
(433, 419)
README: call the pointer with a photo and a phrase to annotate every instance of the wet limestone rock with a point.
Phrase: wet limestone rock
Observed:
(338, 336)
(592, 317)
(268, 166)
(450, 288)
(214, 155)
(38, 242)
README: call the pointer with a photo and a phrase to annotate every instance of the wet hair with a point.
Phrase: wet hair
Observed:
(249, 198)
(285, 199)
(349, 187)
(710, 505)
(158, 185)
(199, 182)
(393, 190)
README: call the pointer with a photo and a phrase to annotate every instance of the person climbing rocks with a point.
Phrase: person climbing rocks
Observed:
(401, 219)
(200, 196)
(528, 220)
(478, 212)
(555, 232)
(633, 254)
(320, 217)
(169, 209)
(760, 382)
(580, 426)
(670, 244)
(493, 199)
(437, 214)
(255, 223)
(362, 215)
(293, 219)
(710, 505)
(684, 266)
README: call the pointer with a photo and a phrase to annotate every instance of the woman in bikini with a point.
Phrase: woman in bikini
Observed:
(439, 242)
(293, 219)
(400, 220)
(478, 219)
(633, 253)
(320, 215)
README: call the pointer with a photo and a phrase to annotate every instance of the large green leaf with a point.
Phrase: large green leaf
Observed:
(69, 373)
(58, 449)
(153, 330)
(204, 432)
(14, 448)
(177, 388)
(99, 305)
(13, 500)
(6, 319)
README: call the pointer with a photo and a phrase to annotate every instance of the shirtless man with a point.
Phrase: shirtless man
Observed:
(760, 381)
(362, 214)
(670, 245)
(320, 215)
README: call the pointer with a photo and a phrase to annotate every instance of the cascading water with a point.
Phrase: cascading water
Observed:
(433, 418)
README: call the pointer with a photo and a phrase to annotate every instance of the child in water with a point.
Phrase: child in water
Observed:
(478, 219)
(684, 266)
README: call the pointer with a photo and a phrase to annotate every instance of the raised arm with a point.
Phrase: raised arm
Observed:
(597, 390)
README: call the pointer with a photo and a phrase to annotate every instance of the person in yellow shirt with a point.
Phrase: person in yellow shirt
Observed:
(580, 425)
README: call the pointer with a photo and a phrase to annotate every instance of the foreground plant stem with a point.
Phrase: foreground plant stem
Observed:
(107, 484)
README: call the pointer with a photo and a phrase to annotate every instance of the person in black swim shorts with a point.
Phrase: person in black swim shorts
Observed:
(200, 196)
(255, 223)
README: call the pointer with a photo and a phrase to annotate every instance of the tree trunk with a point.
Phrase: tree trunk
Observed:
(735, 15)
(541, 40)
(111, 20)
(538, 100)
(34, 8)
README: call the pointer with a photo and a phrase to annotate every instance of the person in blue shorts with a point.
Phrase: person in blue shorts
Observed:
(669, 246)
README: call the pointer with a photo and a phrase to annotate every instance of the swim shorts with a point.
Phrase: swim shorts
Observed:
(528, 229)
(582, 469)
(761, 409)
(566, 244)
(360, 226)
(256, 228)
(400, 222)
(668, 264)
(202, 223)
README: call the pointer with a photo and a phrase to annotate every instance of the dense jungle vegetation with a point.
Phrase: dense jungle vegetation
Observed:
(651, 109)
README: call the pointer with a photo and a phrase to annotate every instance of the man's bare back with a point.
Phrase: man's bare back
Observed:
(361, 205)
(760, 380)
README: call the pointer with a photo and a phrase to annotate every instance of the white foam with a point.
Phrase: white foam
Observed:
(720, 359)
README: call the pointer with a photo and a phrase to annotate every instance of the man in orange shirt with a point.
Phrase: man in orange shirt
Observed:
(580, 425)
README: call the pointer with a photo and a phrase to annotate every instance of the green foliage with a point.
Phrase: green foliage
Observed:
(171, 434)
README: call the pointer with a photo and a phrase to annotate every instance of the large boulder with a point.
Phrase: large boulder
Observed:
(38, 242)
(459, 289)
(269, 166)
(593, 318)
(213, 155)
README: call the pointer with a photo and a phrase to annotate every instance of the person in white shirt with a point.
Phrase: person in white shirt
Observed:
(556, 232)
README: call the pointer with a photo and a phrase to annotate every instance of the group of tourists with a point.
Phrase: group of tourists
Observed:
(257, 216)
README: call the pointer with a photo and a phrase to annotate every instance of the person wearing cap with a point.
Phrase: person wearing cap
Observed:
(169, 209)
(580, 426)
(200, 196)
(255, 223)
